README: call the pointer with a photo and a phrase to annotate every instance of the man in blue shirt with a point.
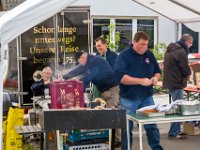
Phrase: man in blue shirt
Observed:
(96, 70)
(137, 71)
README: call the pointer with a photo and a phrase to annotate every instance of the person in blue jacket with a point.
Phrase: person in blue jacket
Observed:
(138, 71)
(110, 56)
(96, 70)
(38, 87)
(104, 52)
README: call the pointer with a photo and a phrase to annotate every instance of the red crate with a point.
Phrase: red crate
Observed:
(67, 94)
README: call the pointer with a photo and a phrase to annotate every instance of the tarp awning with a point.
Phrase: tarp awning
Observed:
(20, 19)
(31, 13)
(192, 5)
(27, 15)
(180, 11)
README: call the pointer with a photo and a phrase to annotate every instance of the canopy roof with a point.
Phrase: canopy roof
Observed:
(30, 13)
(27, 15)
(180, 11)
(192, 5)
(19, 20)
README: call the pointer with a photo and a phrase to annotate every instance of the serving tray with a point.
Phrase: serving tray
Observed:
(152, 114)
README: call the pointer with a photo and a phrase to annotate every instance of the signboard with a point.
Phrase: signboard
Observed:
(52, 43)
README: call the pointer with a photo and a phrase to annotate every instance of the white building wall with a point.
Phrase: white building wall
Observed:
(167, 29)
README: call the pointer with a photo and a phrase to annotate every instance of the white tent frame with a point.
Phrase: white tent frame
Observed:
(176, 10)
(17, 21)
(192, 5)
(32, 12)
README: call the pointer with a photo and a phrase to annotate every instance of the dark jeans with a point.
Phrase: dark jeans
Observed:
(175, 127)
(153, 135)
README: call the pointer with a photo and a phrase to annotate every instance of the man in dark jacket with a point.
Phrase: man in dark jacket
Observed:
(176, 73)
(110, 56)
(41, 88)
(96, 70)
(104, 52)
(38, 88)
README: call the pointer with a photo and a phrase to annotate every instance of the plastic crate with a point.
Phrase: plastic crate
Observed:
(67, 94)
(91, 147)
(84, 142)
(95, 134)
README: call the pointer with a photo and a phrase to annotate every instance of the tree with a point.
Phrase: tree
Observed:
(113, 39)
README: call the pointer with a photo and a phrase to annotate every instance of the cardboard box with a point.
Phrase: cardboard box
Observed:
(197, 78)
(195, 66)
(190, 129)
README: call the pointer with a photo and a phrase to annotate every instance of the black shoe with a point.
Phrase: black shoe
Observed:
(183, 134)
(180, 136)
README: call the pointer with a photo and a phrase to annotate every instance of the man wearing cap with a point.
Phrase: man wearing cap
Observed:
(110, 56)
(96, 70)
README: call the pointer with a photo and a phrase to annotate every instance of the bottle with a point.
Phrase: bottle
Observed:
(46, 93)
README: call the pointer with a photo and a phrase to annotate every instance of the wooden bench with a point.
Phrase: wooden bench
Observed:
(22, 130)
(192, 93)
(28, 129)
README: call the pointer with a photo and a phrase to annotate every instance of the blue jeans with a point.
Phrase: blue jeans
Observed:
(175, 127)
(153, 135)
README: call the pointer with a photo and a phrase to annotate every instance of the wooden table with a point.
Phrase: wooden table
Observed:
(189, 91)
